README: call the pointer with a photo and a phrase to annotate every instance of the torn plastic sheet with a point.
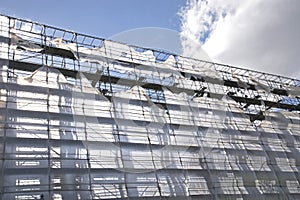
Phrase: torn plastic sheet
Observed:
(168, 68)
(198, 69)
(115, 50)
(142, 72)
(49, 80)
(206, 153)
(46, 76)
(144, 57)
(59, 43)
(260, 86)
(145, 60)
(240, 82)
(18, 42)
(112, 51)
(294, 91)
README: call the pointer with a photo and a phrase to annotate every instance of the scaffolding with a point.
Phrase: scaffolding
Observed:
(88, 118)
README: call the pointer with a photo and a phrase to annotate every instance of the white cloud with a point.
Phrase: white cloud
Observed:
(258, 34)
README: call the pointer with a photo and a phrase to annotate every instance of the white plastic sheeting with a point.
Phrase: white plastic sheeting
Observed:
(80, 130)
(18, 42)
(145, 59)
(150, 136)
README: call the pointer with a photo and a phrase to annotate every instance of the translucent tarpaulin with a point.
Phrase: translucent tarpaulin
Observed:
(84, 120)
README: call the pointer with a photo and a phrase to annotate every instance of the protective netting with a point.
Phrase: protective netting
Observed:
(111, 121)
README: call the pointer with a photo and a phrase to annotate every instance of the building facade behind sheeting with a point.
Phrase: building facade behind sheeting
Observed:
(86, 118)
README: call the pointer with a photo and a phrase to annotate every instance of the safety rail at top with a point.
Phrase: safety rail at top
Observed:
(44, 35)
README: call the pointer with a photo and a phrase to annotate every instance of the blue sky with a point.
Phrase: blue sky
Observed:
(102, 18)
